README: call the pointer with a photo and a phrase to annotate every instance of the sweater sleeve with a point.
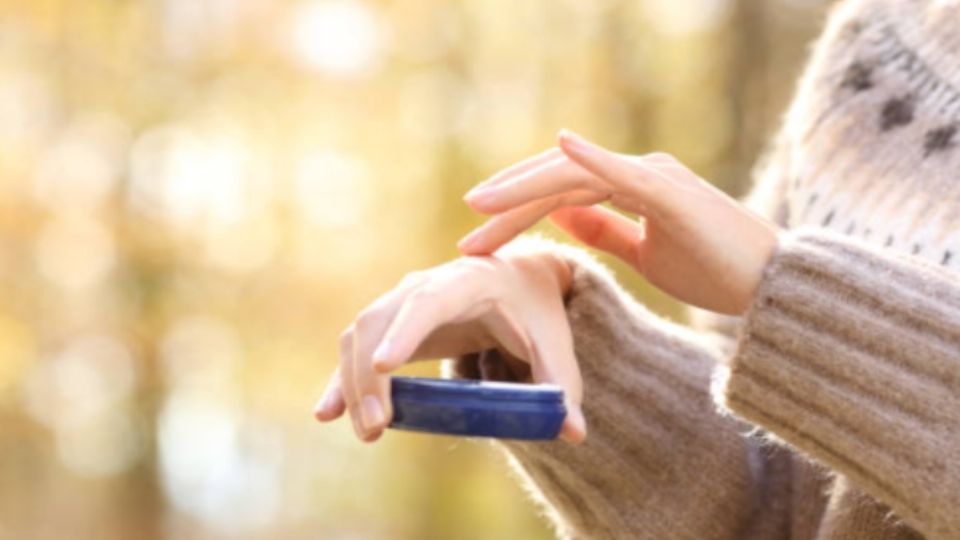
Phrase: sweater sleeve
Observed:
(658, 462)
(851, 355)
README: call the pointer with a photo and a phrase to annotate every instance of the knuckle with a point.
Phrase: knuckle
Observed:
(426, 294)
(478, 266)
(640, 178)
(370, 384)
(412, 278)
(583, 181)
(366, 318)
(365, 381)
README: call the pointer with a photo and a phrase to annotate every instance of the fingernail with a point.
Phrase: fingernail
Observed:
(382, 353)
(323, 404)
(482, 196)
(574, 142)
(468, 241)
(578, 422)
(372, 412)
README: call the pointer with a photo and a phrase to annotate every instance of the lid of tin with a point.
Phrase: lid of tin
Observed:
(474, 389)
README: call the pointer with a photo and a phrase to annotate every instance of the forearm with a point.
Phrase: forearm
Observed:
(850, 355)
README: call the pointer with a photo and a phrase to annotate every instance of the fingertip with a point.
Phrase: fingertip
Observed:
(480, 199)
(389, 356)
(470, 200)
(485, 199)
(571, 435)
(383, 365)
(592, 157)
(466, 244)
(572, 142)
(320, 411)
(383, 352)
(574, 426)
(329, 407)
(328, 415)
(373, 436)
(480, 187)
(472, 245)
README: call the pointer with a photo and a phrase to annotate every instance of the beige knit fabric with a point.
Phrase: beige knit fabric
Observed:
(831, 409)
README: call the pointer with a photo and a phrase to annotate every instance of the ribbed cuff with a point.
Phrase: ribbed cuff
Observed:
(850, 354)
(658, 462)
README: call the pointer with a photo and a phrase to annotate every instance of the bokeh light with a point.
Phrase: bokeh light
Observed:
(341, 38)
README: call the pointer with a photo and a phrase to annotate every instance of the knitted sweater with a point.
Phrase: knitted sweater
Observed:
(831, 408)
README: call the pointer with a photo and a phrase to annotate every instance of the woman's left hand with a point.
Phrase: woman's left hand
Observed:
(692, 240)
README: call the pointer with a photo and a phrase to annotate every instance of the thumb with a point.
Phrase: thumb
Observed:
(606, 230)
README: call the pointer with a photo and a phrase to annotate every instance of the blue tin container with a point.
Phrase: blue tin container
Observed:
(472, 408)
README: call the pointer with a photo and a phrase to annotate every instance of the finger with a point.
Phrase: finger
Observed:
(499, 229)
(604, 229)
(519, 168)
(348, 388)
(551, 178)
(504, 227)
(423, 311)
(625, 175)
(554, 362)
(332, 404)
(372, 388)
(357, 377)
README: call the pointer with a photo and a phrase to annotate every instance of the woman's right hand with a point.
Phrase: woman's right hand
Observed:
(510, 302)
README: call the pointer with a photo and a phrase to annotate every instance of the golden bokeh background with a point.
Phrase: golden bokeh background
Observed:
(196, 196)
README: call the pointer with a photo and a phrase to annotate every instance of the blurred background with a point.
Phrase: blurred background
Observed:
(197, 196)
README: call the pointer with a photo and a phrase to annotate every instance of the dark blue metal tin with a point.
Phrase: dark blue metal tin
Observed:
(471, 408)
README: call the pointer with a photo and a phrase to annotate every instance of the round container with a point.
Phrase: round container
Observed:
(472, 408)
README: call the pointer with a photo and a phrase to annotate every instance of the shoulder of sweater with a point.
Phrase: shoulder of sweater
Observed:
(914, 31)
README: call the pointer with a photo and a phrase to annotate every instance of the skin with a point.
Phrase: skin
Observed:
(689, 239)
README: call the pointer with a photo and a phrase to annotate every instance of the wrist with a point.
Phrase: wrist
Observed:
(765, 247)
(564, 276)
(542, 258)
(545, 265)
(562, 270)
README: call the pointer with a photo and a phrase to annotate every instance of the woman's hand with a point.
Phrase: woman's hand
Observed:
(692, 240)
(513, 303)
